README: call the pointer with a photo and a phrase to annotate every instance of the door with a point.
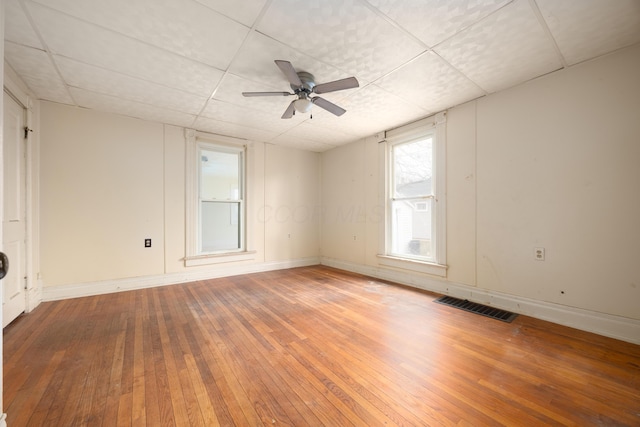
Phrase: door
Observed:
(14, 214)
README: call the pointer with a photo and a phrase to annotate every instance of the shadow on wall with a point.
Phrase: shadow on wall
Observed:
(310, 213)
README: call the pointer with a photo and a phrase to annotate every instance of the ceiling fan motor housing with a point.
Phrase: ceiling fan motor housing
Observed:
(308, 82)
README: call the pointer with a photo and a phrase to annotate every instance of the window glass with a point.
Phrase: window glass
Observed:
(412, 167)
(220, 227)
(221, 208)
(220, 175)
(411, 219)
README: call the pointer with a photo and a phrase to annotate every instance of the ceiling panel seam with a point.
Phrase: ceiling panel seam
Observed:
(235, 55)
(27, 14)
(545, 27)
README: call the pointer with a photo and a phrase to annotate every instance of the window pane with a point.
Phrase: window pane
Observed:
(220, 226)
(412, 168)
(219, 175)
(411, 229)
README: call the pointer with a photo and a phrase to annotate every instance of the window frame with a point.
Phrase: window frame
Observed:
(195, 142)
(436, 127)
(201, 147)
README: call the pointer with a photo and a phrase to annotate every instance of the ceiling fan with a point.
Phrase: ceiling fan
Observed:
(303, 85)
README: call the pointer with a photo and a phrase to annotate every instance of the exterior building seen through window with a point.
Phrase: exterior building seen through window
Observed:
(411, 219)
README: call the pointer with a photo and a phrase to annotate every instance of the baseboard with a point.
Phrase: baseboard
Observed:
(617, 327)
(54, 293)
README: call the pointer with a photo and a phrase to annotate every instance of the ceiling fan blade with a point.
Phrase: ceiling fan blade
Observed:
(289, 71)
(249, 94)
(348, 83)
(329, 106)
(288, 113)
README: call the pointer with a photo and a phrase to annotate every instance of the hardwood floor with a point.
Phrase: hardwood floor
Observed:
(309, 346)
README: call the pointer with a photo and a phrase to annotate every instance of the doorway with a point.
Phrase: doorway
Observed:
(14, 210)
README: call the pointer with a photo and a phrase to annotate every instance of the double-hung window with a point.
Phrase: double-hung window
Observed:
(221, 199)
(216, 207)
(415, 216)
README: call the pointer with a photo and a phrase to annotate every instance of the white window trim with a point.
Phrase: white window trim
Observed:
(413, 265)
(439, 267)
(192, 256)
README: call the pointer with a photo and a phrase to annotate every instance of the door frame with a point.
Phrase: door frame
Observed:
(33, 293)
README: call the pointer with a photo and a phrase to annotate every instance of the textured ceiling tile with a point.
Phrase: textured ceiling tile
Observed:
(349, 125)
(243, 11)
(507, 48)
(110, 104)
(311, 131)
(111, 83)
(17, 27)
(430, 83)
(301, 143)
(37, 72)
(232, 86)
(87, 43)
(183, 27)
(589, 28)
(376, 109)
(343, 33)
(256, 62)
(230, 129)
(267, 119)
(432, 21)
(354, 125)
(142, 52)
(369, 111)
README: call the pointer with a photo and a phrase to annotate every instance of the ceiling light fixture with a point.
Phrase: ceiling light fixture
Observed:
(303, 105)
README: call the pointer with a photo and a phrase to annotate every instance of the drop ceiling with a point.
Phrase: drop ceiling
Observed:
(186, 62)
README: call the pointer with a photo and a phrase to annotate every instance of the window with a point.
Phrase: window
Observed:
(411, 198)
(216, 203)
(414, 193)
(221, 200)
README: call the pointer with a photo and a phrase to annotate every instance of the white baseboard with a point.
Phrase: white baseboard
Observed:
(54, 293)
(618, 327)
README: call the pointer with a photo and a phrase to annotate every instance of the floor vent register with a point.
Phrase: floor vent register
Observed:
(483, 310)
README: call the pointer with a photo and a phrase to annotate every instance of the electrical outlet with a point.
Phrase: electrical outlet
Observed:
(538, 254)
(147, 243)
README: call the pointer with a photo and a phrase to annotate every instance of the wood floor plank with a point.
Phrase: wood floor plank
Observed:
(138, 407)
(112, 399)
(269, 405)
(240, 408)
(29, 403)
(311, 346)
(176, 319)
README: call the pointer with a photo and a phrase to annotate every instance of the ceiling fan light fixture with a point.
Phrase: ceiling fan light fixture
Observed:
(303, 105)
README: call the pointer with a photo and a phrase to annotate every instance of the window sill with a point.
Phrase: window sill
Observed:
(413, 265)
(193, 261)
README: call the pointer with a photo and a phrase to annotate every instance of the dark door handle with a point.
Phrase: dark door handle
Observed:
(4, 265)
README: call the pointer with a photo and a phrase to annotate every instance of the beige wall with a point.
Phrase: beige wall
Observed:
(101, 183)
(553, 163)
(558, 167)
(108, 182)
(344, 204)
(291, 211)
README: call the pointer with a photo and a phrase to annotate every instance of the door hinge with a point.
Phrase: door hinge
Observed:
(26, 132)
(26, 283)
